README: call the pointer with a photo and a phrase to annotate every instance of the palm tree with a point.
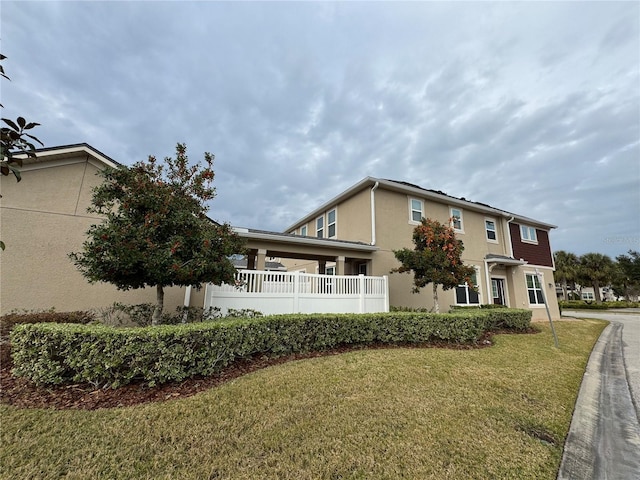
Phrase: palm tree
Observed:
(567, 265)
(597, 269)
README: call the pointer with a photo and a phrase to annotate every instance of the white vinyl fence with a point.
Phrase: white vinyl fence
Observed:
(296, 292)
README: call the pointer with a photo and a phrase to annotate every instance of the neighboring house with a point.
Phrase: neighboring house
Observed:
(510, 253)
(43, 218)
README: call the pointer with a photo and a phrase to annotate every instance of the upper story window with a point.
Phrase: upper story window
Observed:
(416, 210)
(303, 231)
(528, 234)
(456, 219)
(320, 227)
(490, 228)
(331, 223)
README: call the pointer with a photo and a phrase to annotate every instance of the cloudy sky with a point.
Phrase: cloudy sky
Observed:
(529, 107)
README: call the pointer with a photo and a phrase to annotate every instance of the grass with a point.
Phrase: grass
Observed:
(500, 412)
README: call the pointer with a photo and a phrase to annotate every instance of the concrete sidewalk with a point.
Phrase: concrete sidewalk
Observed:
(604, 437)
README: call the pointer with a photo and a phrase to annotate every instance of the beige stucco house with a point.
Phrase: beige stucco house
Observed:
(510, 253)
(44, 217)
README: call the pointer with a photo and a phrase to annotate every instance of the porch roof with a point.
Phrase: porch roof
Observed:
(302, 241)
(285, 245)
(503, 260)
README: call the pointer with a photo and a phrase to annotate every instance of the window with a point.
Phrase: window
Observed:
(528, 234)
(456, 219)
(303, 231)
(416, 210)
(588, 296)
(362, 269)
(320, 227)
(490, 228)
(331, 223)
(534, 288)
(330, 270)
(466, 295)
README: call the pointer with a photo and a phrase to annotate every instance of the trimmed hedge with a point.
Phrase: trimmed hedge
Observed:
(582, 305)
(108, 356)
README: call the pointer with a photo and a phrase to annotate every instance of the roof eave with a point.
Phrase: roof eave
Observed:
(298, 240)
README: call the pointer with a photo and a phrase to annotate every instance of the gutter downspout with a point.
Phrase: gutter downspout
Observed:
(488, 279)
(510, 252)
(373, 213)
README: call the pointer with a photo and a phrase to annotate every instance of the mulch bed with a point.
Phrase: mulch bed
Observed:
(22, 393)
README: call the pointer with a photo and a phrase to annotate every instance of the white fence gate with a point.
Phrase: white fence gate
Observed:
(296, 292)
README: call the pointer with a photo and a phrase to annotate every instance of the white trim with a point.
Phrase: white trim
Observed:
(411, 210)
(373, 213)
(54, 164)
(495, 229)
(460, 218)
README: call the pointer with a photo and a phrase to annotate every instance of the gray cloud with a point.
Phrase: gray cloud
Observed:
(530, 107)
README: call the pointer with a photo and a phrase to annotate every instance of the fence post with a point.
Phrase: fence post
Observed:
(386, 292)
(361, 287)
(296, 291)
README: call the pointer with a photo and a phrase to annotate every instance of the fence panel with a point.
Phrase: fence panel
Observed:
(296, 292)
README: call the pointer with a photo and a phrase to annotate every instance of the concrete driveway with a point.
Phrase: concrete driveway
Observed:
(604, 437)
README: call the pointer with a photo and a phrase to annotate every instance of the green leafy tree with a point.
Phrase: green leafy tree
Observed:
(596, 270)
(627, 280)
(156, 232)
(435, 259)
(15, 141)
(567, 266)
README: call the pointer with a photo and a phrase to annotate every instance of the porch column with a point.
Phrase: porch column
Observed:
(322, 265)
(261, 260)
(340, 265)
(251, 261)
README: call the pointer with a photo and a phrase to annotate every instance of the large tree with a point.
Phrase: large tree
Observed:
(567, 266)
(156, 232)
(435, 259)
(627, 280)
(596, 270)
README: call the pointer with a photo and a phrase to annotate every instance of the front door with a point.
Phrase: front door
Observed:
(497, 289)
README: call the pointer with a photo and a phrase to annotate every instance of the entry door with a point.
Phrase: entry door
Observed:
(497, 287)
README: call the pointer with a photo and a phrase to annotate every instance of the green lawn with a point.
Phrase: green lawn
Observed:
(375, 414)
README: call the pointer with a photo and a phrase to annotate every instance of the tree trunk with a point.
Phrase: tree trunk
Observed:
(436, 307)
(596, 291)
(157, 312)
(564, 290)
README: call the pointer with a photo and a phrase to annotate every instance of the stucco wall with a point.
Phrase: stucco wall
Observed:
(42, 219)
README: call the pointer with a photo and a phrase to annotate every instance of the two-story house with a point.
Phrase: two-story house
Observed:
(510, 253)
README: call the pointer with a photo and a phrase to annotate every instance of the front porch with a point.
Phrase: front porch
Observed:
(274, 293)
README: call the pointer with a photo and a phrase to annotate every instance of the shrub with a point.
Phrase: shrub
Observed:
(8, 321)
(583, 305)
(122, 315)
(108, 356)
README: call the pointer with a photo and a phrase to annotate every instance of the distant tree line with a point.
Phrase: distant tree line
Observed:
(596, 270)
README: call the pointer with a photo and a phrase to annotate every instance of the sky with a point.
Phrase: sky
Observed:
(531, 107)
